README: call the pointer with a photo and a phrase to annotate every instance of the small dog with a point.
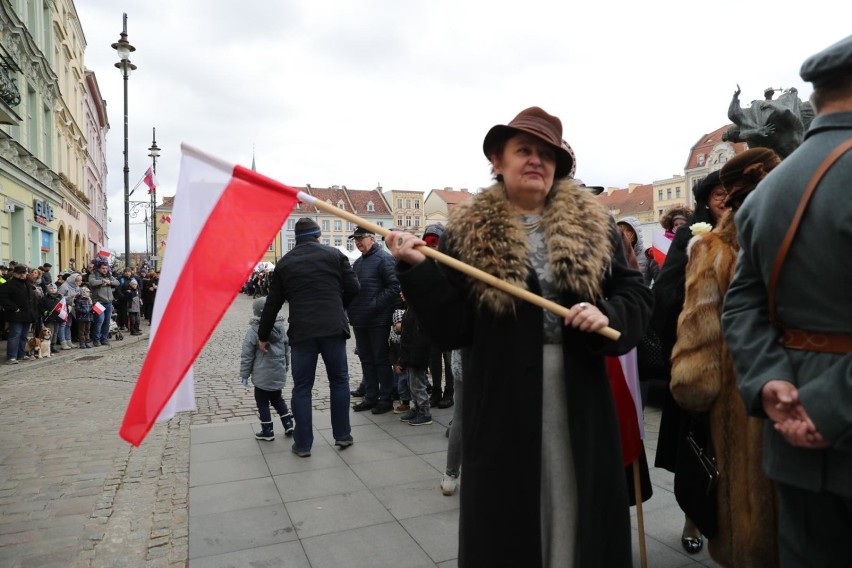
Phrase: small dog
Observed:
(40, 346)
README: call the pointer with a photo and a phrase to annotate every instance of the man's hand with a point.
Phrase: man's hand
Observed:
(781, 403)
(262, 345)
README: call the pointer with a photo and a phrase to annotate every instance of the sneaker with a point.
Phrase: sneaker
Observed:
(412, 412)
(364, 405)
(12, 362)
(88, 345)
(301, 453)
(422, 419)
(96, 343)
(289, 424)
(449, 484)
(25, 358)
(402, 407)
(345, 442)
(382, 408)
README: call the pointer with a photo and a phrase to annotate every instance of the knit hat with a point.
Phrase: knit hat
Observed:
(741, 174)
(306, 227)
(133, 283)
(51, 287)
(257, 306)
(19, 269)
(702, 189)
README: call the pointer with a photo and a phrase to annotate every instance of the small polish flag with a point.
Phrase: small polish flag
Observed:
(165, 219)
(213, 201)
(62, 308)
(660, 244)
(624, 382)
(98, 308)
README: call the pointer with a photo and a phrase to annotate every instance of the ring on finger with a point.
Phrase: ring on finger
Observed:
(583, 305)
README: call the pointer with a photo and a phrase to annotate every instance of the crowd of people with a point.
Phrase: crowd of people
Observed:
(79, 310)
(749, 308)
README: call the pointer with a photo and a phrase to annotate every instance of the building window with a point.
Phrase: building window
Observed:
(338, 241)
(370, 206)
(399, 220)
(408, 204)
(326, 226)
(291, 243)
(660, 211)
(677, 192)
(408, 220)
(291, 224)
(380, 223)
(349, 225)
(338, 225)
(326, 241)
(399, 202)
(417, 221)
(349, 245)
(660, 194)
(271, 247)
(340, 205)
(417, 204)
(669, 193)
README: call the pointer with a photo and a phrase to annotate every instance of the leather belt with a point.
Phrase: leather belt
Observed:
(820, 342)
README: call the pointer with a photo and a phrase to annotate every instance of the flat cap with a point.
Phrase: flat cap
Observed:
(830, 63)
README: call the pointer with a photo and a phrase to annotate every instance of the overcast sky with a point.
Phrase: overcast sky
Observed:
(401, 92)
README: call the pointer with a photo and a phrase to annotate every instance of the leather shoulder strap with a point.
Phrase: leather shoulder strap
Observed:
(797, 219)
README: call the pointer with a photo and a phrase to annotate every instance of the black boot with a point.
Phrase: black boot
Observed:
(446, 400)
(435, 398)
(266, 433)
(289, 424)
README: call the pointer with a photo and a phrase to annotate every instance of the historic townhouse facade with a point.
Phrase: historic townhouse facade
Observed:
(51, 174)
(406, 210)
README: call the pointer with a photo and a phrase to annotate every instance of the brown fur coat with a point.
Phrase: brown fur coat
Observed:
(703, 380)
(488, 235)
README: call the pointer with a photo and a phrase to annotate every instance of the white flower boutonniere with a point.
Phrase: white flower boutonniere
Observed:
(701, 228)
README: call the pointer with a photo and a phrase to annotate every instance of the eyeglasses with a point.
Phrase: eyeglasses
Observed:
(719, 195)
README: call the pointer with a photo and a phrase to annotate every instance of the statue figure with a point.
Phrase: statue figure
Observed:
(777, 124)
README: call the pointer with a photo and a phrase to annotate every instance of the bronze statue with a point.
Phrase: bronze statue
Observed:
(778, 124)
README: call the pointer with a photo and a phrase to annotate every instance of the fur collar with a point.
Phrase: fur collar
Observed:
(484, 233)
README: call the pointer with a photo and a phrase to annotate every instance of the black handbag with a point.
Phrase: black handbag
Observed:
(697, 477)
(651, 359)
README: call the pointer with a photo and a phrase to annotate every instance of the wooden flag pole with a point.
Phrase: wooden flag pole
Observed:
(526, 295)
(637, 492)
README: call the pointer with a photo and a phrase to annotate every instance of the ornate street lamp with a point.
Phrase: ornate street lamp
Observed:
(154, 153)
(124, 49)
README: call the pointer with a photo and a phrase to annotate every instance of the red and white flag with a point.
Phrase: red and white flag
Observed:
(660, 244)
(62, 308)
(213, 201)
(624, 382)
(98, 308)
(165, 219)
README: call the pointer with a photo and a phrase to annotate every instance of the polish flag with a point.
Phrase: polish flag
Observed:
(213, 202)
(98, 308)
(62, 308)
(624, 381)
(660, 244)
(150, 180)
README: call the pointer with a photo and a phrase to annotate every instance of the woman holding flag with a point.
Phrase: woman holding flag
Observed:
(538, 229)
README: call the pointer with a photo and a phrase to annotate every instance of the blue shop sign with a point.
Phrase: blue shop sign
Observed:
(43, 211)
(45, 241)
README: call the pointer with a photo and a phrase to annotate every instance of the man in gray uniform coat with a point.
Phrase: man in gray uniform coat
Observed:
(797, 372)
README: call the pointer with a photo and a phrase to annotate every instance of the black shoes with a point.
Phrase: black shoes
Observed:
(344, 443)
(446, 400)
(435, 397)
(289, 424)
(357, 393)
(364, 405)
(382, 408)
(692, 544)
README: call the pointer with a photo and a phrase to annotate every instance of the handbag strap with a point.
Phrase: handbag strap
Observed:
(797, 219)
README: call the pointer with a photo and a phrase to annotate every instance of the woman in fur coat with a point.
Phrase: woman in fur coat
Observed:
(703, 380)
(549, 490)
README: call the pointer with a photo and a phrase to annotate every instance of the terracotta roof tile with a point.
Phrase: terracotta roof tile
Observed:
(624, 202)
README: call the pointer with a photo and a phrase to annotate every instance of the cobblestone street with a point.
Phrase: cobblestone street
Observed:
(72, 493)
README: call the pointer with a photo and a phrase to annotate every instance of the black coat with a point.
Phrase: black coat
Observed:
(414, 343)
(319, 283)
(18, 300)
(379, 289)
(500, 502)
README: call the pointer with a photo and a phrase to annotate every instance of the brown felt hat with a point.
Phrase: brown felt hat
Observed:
(543, 126)
(741, 174)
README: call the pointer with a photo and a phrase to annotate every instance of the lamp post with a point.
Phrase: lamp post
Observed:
(154, 153)
(124, 49)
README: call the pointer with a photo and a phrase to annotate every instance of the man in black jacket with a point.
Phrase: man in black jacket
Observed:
(319, 283)
(19, 304)
(371, 314)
